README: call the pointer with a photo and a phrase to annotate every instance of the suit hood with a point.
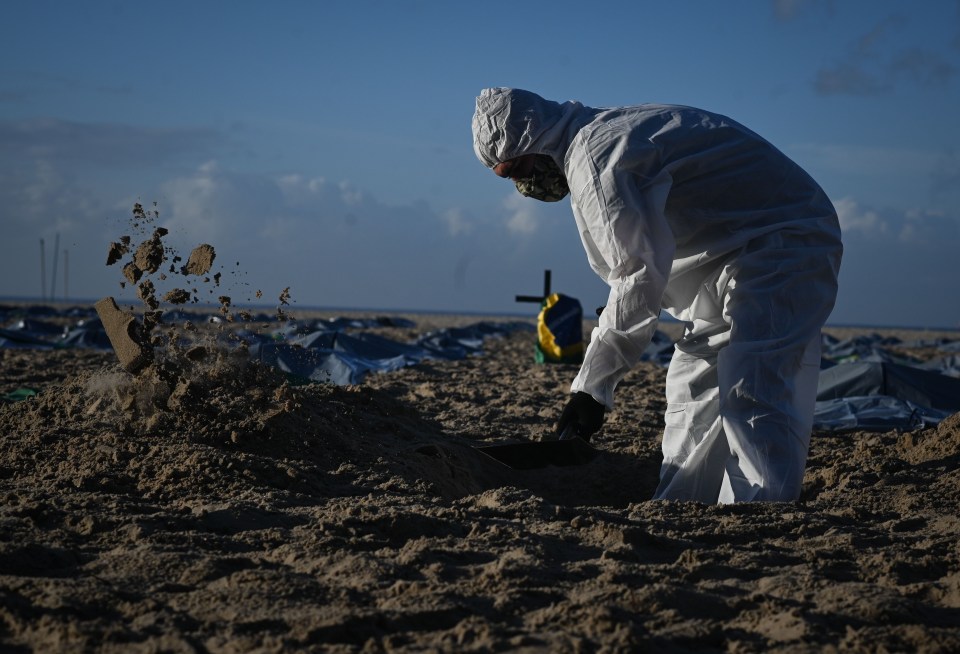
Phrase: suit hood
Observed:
(508, 123)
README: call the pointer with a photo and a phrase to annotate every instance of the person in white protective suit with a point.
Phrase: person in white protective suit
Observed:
(686, 210)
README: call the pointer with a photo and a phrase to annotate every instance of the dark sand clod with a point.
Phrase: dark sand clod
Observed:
(201, 260)
(126, 335)
(149, 255)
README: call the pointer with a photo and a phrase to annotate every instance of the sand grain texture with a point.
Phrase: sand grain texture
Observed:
(234, 512)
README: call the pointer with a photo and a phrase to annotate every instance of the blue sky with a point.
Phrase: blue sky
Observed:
(326, 146)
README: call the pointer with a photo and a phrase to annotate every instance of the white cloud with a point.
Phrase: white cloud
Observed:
(211, 205)
(924, 226)
(36, 196)
(338, 232)
(523, 218)
(351, 195)
(853, 217)
(457, 222)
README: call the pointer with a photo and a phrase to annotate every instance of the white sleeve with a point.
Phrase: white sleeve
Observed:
(620, 214)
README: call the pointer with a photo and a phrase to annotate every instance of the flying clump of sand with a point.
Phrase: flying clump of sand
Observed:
(197, 501)
(151, 254)
(179, 368)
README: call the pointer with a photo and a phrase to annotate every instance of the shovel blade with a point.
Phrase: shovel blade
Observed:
(540, 454)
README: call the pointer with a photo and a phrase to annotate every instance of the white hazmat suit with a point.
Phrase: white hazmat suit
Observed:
(689, 211)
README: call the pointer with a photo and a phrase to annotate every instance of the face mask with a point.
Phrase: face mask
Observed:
(546, 182)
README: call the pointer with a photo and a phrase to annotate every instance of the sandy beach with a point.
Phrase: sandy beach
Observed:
(249, 514)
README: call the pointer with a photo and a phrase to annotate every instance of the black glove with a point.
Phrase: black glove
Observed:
(584, 413)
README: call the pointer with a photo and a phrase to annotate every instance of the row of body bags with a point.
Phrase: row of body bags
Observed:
(865, 384)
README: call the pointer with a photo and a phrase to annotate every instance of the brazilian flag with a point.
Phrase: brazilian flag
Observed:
(560, 330)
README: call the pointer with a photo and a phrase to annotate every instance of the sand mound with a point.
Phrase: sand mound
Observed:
(931, 445)
(219, 410)
(227, 433)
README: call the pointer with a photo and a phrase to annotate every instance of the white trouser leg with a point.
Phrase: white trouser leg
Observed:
(694, 447)
(768, 443)
(782, 290)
